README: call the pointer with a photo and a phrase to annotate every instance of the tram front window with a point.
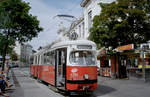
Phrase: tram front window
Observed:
(82, 58)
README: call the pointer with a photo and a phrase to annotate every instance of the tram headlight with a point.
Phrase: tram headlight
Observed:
(86, 76)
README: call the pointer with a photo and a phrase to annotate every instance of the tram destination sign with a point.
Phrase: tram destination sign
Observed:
(84, 46)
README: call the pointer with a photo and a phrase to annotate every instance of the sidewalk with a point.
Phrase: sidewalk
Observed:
(29, 87)
(12, 89)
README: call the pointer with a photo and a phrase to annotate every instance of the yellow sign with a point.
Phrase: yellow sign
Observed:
(146, 66)
(125, 47)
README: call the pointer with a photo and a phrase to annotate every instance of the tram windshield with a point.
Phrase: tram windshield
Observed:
(82, 58)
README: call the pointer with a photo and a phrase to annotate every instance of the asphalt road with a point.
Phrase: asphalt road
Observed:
(29, 87)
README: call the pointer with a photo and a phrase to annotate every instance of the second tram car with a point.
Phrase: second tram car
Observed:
(67, 65)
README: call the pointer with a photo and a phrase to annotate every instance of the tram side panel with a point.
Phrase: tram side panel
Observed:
(40, 72)
(34, 70)
(52, 74)
(44, 73)
(48, 74)
(81, 78)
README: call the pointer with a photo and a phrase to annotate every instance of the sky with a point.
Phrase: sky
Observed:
(46, 10)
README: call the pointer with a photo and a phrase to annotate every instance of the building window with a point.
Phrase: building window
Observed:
(89, 19)
(80, 30)
(83, 30)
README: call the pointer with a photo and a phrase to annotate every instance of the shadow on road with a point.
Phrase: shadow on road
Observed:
(103, 90)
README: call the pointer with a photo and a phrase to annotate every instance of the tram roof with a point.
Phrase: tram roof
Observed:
(66, 43)
(74, 42)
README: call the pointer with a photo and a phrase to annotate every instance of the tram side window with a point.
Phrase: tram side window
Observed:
(48, 58)
(35, 60)
(42, 59)
(52, 58)
(38, 60)
(45, 60)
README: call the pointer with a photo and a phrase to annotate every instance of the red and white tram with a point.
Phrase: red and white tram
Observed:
(67, 65)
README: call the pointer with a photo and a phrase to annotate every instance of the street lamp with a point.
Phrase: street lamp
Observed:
(143, 51)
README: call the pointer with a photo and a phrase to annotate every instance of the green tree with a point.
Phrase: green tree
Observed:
(122, 22)
(16, 23)
(14, 56)
(11, 44)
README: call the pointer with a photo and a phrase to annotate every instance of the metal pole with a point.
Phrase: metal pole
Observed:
(115, 63)
(143, 65)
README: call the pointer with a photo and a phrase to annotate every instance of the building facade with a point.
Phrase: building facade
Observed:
(91, 8)
(82, 25)
(78, 28)
(24, 52)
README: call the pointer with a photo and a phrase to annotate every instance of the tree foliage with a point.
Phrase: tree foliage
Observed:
(16, 23)
(14, 56)
(11, 44)
(122, 22)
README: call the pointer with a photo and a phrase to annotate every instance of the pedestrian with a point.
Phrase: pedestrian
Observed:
(8, 84)
(3, 86)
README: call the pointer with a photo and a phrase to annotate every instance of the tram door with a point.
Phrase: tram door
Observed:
(61, 67)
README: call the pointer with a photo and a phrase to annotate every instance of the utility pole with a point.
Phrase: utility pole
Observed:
(143, 65)
(143, 51)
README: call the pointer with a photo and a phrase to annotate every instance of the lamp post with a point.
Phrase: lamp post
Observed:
(143, 65)
(143, 51)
